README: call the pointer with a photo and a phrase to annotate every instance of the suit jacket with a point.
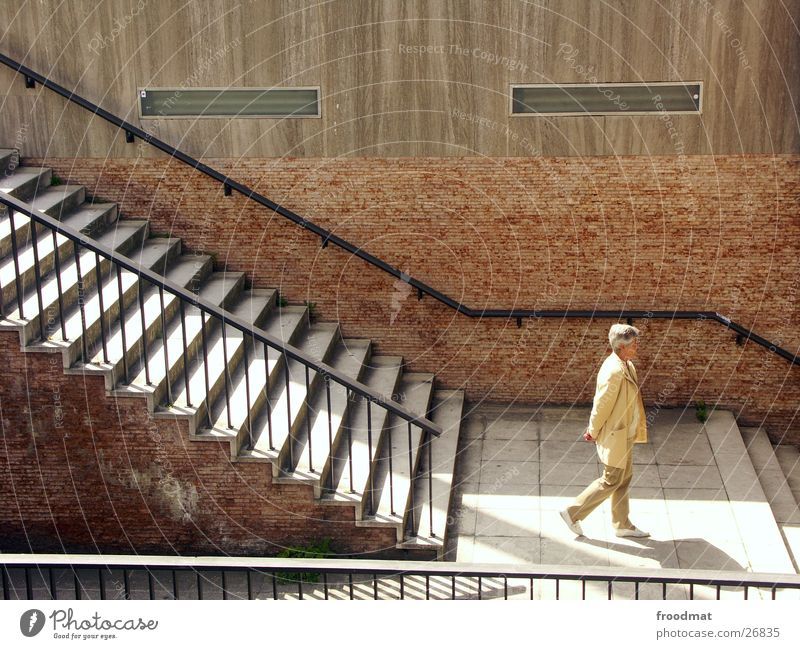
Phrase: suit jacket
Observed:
(615, 398)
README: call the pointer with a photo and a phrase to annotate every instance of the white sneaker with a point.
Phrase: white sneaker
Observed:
(575, 527)
(634, 532)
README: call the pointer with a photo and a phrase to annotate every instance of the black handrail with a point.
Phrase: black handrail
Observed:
(214, 311)
(132, 132)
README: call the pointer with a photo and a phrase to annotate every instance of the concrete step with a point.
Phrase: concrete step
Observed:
(206, 378)
(9, 161)
(354, 448)
(755, 520)
(164, 363)
(86, 219)
(789, 460)
(397, 459)
(328, 414)
(22, 184)
(67, 309)
(288, 324)
(434, 496)
(288, 395)
(776, 488)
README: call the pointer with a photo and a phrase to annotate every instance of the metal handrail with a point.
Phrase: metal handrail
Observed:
(375, 568)
(217, 312)
(132, 132)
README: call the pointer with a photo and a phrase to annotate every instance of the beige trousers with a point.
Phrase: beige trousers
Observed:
(614, 483)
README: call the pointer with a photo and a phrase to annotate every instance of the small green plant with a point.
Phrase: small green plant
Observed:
(55, 180)
(700, 410)
(282, 301)
(312, 310)
(314, 550)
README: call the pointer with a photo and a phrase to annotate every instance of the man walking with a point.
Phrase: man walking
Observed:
(617, 422)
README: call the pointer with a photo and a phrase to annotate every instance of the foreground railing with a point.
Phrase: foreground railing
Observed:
(132, 132)
(85, 250)
(31, 576)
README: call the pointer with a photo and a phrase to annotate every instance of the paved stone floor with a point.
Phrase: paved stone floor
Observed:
(520, 465)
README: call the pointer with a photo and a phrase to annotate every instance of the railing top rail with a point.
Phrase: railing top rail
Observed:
(391, 567)
(219, 313)
(328, 237)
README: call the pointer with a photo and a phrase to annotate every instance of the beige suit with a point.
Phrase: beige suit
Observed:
(616, 397)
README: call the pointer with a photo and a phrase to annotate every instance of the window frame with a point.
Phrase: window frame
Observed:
(201, 116)
(615, 113)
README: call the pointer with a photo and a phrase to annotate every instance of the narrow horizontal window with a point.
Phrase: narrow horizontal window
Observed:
(229, 102)
(606, 98)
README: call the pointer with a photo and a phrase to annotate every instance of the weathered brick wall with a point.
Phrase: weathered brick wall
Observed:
(83, 472)
(661, 233)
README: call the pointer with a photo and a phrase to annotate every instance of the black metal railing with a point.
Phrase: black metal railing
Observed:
(153, 577)
(85, 249)
(132, 132)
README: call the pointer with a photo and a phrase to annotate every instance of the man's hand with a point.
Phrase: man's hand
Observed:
(587, 436)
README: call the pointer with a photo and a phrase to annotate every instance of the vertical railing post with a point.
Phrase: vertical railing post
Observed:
(412, 514)
(38, 278)
(122, 323)
(81, 302)
(15, 255)
(99, 279)
(59, 287)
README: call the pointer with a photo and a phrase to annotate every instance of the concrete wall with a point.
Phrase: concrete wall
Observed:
(382, 98)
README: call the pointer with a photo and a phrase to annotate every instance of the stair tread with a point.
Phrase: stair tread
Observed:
(349, 358)
(250, 307)
(21, 175)
(46, 199)
(317, 343)
(771, 476)
(181, 273)
(447, 410)
(73, 323)
(392, 496)
(382, 376)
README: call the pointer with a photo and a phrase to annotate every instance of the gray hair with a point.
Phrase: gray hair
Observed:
(621, 334)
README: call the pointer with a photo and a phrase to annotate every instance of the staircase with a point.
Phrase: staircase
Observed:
(148, 344)
(778, 470)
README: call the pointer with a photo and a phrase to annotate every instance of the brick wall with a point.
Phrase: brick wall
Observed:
(712, 233)
(83, 472)
(660, 233)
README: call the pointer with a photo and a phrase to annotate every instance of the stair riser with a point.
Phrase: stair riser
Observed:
(47, 262)
(382, 452)
(58, 210)
(153, 331)
(194, 345)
